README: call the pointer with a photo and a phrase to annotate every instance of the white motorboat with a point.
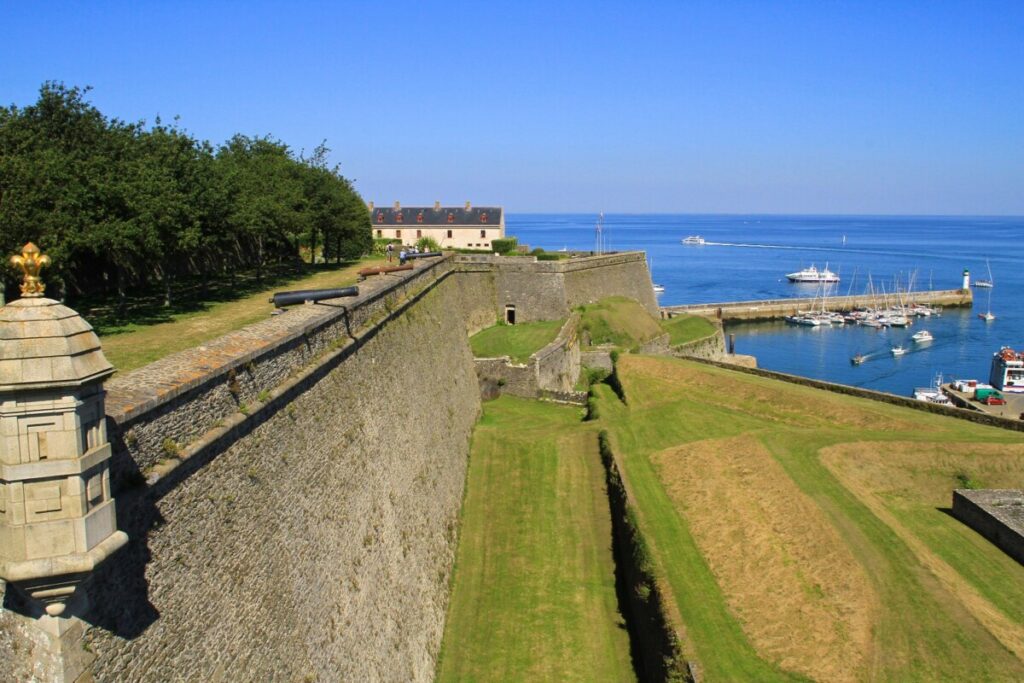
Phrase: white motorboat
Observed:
(693, 239)
(812, 274)
(658, 289)
(922, 336)
(933, 394)
(898, 350)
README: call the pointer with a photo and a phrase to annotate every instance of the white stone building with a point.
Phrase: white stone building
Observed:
(465, 227)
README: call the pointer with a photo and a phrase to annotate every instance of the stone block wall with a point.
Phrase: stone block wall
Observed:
(553, 370)
(996, 514)
(164, 406)
(316, 541)
(711, 347)
(548, 290)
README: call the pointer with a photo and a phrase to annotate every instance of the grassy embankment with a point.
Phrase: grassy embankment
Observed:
(517, 341)
(803, 534)
(617, 321)
(687, 328)
(147, 331)
(534, 587)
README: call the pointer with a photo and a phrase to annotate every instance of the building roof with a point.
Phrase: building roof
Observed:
(478, 216)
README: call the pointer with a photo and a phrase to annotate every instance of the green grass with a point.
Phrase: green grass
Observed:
(533, 594)
(148, 331)
(517, 341)
(922, 631)
(687, 328)
(619, 321)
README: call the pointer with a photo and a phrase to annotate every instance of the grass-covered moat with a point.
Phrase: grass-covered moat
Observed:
(794, 533)
(534, 589)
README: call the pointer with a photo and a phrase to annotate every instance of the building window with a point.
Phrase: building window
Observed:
(449, 234)
(451, 217)
(483, 217)
(419, 217)
(398, 217)
(483, 234)
(419, 234)
(380, 233)
(380, 216)
(398, 233)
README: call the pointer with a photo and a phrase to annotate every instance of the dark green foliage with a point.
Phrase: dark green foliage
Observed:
(546, 256)
(504, 245)
(121, 205)
(428, 244)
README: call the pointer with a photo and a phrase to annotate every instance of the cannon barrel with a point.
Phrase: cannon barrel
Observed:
(380, 270)
(301, 296)
(426, 254)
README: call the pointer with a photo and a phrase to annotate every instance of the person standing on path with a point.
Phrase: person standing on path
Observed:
(390, 250)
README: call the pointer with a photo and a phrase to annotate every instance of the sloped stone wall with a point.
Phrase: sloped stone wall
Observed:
(317, 545)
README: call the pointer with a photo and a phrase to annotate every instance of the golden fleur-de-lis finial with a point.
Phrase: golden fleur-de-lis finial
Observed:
(31, 262)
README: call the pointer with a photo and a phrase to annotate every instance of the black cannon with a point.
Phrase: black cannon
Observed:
(301, 296)
(426, 254)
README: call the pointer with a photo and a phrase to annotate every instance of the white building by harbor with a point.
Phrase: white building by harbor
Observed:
(465, 227)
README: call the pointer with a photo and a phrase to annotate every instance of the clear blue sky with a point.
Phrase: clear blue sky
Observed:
(812, 107)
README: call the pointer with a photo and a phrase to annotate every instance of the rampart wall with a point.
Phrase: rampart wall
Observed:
(550, 372)
(310, 536)
(547, 290)
(996, 514)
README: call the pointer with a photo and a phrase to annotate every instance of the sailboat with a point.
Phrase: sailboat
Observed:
(985, 283)
(987, 316)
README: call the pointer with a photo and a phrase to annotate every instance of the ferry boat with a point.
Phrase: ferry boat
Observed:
(812, 274)
(1007, 372)
(693, 239)
(922, 336)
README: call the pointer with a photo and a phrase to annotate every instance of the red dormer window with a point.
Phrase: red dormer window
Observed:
(398, 217)
(483, 217)
(451, 218)
(419, 217)
(380, 216)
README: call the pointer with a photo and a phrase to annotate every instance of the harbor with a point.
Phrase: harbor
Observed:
(778, 309)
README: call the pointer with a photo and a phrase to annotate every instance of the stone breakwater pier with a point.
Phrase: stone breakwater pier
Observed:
(773, 309)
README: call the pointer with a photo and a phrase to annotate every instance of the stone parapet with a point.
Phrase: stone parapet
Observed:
(551, 371)
(996, 514)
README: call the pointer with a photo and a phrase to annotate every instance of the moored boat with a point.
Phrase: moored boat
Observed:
(922, 336)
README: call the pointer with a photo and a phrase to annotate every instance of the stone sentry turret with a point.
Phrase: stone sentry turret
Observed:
(57, 518)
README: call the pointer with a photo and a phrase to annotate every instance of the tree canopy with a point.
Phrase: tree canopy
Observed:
(119, 204)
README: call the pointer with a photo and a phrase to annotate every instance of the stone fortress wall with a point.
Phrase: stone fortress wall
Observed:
(291, 496)
(550, 371)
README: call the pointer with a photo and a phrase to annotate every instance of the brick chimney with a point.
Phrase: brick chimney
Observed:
(369, 206)
(437, 206)
(468, 206)
(398, 205)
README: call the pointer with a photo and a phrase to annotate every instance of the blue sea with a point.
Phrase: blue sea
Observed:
(933, 251)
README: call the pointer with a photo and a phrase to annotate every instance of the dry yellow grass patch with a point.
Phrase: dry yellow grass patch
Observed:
(764, 399)
(802, 598)
(902, 475)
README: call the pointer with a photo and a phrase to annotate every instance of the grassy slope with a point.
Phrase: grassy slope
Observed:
(132, 345)
(518, 341)
(923, 632)
(686, 328)
(533, 592)
(620, 321)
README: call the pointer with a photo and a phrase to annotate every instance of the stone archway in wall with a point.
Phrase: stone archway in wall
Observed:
(510, 314)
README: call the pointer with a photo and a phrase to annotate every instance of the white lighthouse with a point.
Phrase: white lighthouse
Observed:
(967, 280)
